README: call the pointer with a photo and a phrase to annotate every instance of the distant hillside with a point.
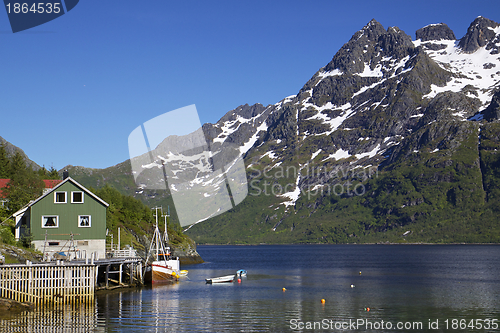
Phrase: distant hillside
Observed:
(11, 150)
(120, 177)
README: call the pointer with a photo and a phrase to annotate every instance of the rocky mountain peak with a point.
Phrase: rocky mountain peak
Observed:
(435, 32)
(368, 46)
(395, 41)
(246, 111)
(371, 31)
(481, 32)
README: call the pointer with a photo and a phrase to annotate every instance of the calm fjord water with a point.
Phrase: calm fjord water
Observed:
(410, 285)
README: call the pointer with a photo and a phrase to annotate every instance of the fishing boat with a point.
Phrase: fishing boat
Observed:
(164, 267)
(221, 279)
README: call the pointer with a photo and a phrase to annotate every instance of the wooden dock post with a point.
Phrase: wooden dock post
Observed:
(107, 276)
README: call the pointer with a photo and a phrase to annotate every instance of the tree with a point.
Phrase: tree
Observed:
(48, 174)
(17, 164)
(24, 186)
(4, 163)
(42, 172)
(53, 174)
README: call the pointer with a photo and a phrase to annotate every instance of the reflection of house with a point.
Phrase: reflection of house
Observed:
(67, 217)
(49, 184)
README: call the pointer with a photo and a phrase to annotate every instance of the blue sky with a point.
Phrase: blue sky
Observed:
(73, 89)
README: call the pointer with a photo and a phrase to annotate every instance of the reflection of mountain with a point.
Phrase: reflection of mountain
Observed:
(393, 135)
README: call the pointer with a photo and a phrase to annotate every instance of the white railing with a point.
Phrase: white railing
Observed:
(41, 284)
(126, 253)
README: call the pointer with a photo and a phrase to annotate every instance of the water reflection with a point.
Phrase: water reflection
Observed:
(81, 318)
(398, 284)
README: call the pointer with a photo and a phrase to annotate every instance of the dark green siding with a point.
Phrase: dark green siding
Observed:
(68, 216)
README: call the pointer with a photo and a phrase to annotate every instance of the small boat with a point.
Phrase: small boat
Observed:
(241, 272)
(221, 279)
(60, 256)
(183, 272)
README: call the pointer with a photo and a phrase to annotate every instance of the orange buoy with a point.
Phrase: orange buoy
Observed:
(284, 289)
(239, 280)
(323, 301)
(367, 309)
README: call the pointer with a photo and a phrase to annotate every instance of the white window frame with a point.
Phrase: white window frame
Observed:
(84, 226)
(77, 202)
(48, 227)
(65, 197)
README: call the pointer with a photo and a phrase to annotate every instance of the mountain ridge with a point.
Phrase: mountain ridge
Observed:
(412, 123)
(12, 149)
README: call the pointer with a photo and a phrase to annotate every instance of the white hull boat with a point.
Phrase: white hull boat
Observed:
(221, 279)
(164, 267)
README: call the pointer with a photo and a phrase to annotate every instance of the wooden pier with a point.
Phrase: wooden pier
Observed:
(66, 282)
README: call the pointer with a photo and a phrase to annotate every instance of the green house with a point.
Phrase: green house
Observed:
(68, 218)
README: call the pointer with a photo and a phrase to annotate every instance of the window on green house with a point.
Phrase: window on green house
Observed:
(50, 221)
(60, 197)
(76, 197)
(84, 221)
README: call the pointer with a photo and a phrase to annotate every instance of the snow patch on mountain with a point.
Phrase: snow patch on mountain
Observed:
(270, 154)
(368, 72)
(249, 144)
(284, 101)
(369, 154)
(480, 69)
(316, 153)
(334, 72)
(229, 127)
(292, 195)
(338, 155)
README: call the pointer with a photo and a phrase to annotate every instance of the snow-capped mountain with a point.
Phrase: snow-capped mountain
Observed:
(380, 83)
(392, 133)
(384, 105)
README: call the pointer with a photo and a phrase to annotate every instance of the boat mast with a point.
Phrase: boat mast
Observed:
(156, 233)
(167, 219)
(157, 237)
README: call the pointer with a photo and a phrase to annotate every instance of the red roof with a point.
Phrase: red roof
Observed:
(49, 183)
(4, 182)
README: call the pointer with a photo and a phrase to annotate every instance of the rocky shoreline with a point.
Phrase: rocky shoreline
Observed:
(187, 253)
(8, 307)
